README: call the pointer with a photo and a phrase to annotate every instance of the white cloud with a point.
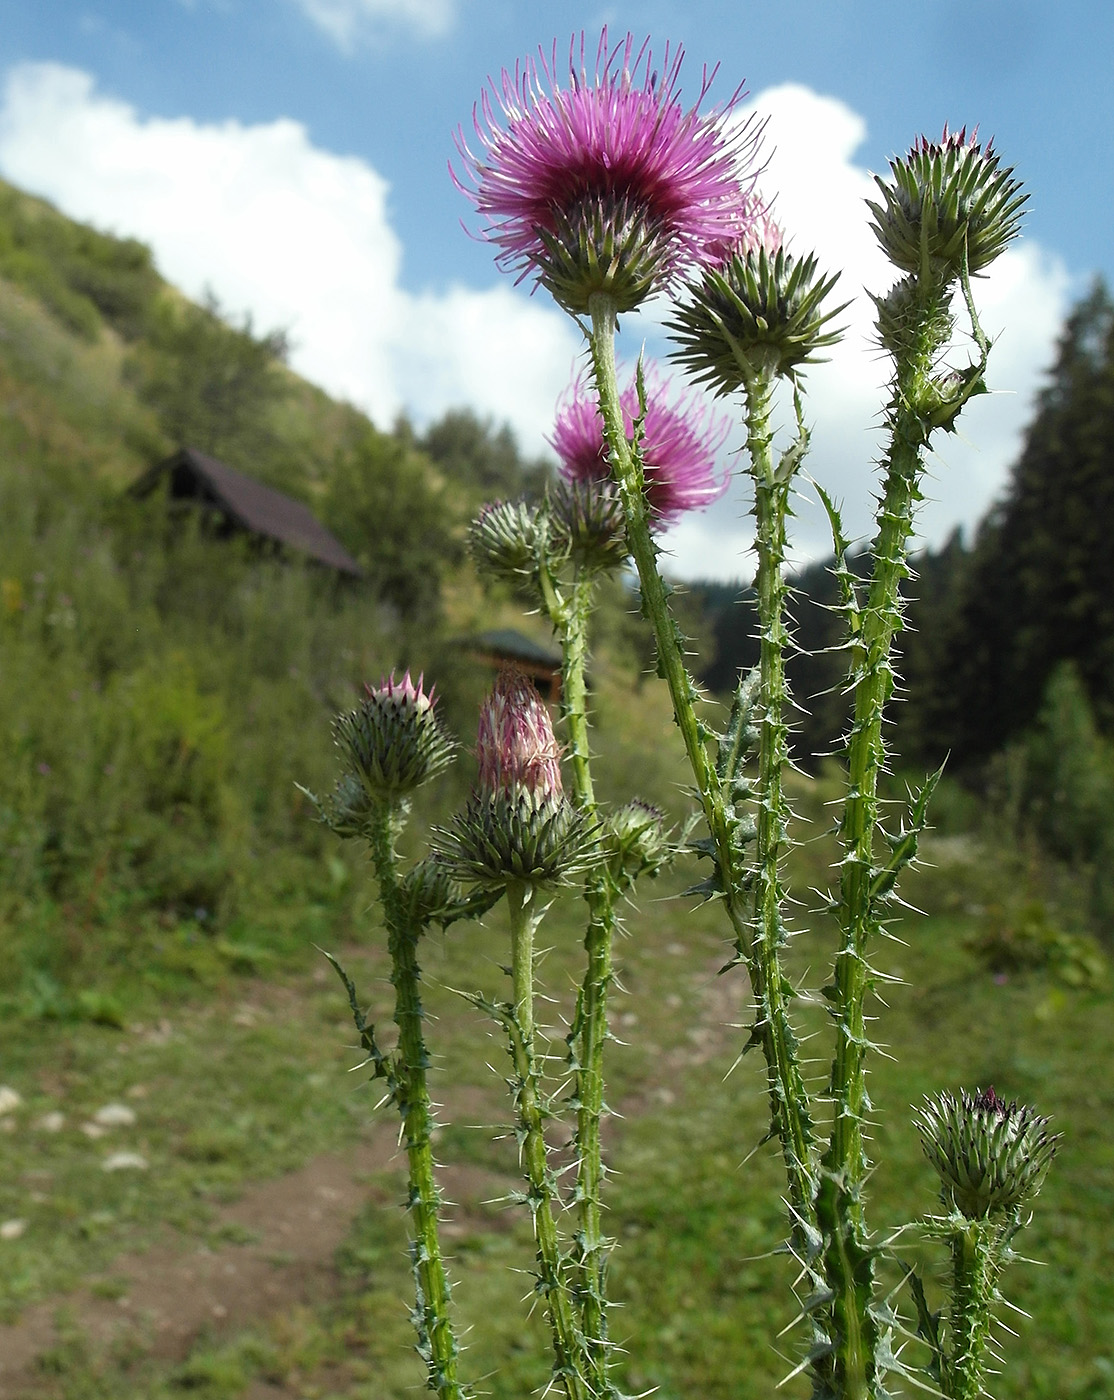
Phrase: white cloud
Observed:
(302, 239)
(299, 237)
(820, 192)
(347, 21)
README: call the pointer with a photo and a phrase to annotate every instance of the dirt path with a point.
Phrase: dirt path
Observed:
(170, 1294)
(297, 1223)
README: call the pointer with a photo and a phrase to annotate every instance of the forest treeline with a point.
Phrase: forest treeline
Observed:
(992, 621)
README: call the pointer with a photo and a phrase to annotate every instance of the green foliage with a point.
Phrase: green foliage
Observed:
(482, 458)
(213, 385)
(80, 274)
(1038, 588)
(385, 506)
(1025, 938)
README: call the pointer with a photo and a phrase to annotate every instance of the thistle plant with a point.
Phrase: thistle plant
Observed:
(391, 744)
(601, 187)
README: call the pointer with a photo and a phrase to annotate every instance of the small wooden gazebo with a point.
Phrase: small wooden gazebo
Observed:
(241, 505)
(502, 645)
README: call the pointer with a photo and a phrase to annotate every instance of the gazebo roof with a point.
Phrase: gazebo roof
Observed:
(249, 505)
(514, 646)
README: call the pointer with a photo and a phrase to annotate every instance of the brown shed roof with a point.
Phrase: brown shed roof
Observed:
(248, 505)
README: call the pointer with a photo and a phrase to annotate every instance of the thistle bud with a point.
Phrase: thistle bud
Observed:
(991, 1156)
(947, 200)
(430, 891)
(588, 524)
(347, 809)
(602, 244)
(758, 313)
(515, 744)
(518, 824)
(637, 839)
(393, 741)
(505, 539)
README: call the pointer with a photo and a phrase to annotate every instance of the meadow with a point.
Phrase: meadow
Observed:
(196, 1194)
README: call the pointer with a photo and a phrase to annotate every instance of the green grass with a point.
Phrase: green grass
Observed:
(696, 1215)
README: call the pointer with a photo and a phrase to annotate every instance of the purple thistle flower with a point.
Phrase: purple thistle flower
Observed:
(679, 443)
(606, 185)
(516, 749)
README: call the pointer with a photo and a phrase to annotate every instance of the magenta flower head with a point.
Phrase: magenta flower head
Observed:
(606, 185)
(678, 446)
(518, 825)
(515, 743)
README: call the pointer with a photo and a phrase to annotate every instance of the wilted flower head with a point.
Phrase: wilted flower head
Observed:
(947, 200)
(606, 184)
(679, 442)
(991, 1156)
(515, 744)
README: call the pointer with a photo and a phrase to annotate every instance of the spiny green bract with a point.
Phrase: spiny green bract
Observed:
(588, 525)
(536, 837)
(991, 1156)
(604, 244)
(948, 202)
(505, 540)
(637, 839)
(392, 741)
(758, 314)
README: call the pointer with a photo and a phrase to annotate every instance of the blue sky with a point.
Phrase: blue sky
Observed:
(245, 138)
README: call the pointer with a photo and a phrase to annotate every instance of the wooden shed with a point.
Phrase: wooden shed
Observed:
(541, 664)
(243, 505)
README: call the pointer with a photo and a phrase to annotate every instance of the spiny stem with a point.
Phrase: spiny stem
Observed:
(436, 1337)
(570, 1367)
(572, 629)
(788, 1097)
(849, 1256)
(588, 1033)
(977, 1252)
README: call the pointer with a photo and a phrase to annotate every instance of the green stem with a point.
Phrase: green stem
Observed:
(787, 1094)
(572, 627)
(976, 1267)
(849, 1255)
(588, 1033)
(569, 1359)
(436, 1337)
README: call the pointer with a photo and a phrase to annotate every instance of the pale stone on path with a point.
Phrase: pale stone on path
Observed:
(51, 1122)
(115, 1115)
(124, 1161)
(9, 1100)
(12, 1229)
(93, 1130)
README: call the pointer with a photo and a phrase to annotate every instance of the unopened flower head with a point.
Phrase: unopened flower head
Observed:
(393, 741)
(518, 824)
(991, 1156)
(606, 184)
(504, 540)
(638, 839)
(759, 314)
(947, 201)
(587, 524)
(678, 444)
(515, 744)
